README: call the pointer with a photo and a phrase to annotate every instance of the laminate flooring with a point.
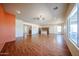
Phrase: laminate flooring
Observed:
(37, 45)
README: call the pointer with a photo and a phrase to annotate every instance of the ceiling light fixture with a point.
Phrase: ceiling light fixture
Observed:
(39, 18)
(18, 11)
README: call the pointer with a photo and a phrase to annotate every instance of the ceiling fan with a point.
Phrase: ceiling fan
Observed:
(39, 18)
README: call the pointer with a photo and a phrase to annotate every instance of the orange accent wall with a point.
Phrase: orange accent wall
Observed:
(7, 26)
(10, 27)
(2, 24)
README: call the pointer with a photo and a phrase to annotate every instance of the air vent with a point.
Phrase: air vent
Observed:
(55, 8)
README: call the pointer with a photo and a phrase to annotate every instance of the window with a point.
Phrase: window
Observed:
(73, 30)
(72, 26)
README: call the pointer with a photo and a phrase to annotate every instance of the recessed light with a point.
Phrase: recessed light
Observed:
(18, 11)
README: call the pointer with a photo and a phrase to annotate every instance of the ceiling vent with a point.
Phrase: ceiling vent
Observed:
(55, 8)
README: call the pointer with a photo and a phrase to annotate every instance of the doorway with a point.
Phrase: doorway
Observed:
(27, 30)
(44, 30)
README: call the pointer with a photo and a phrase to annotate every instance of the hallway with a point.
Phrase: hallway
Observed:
(37, 45)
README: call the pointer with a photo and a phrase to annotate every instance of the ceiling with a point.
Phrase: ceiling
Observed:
(52, 12)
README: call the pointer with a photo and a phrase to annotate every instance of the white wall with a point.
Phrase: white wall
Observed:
(35, 28)
(51, 29)
(19, 28)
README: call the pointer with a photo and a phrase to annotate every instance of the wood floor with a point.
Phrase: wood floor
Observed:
(37, 45)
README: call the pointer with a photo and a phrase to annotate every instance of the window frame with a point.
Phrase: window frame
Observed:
(74, 10)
